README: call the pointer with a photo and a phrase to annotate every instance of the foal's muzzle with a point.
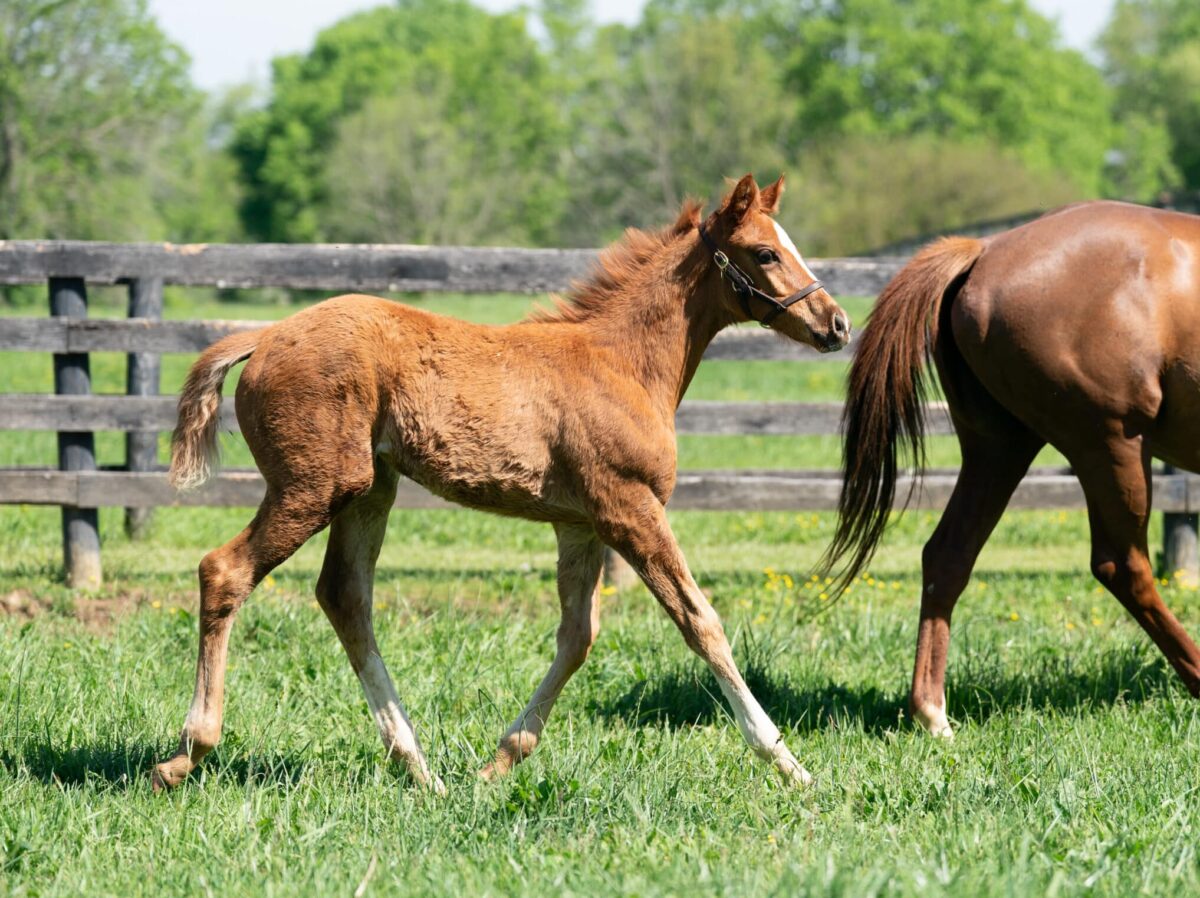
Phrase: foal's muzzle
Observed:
(839, 333)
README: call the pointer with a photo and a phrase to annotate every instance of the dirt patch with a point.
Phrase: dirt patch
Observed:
(96, 613)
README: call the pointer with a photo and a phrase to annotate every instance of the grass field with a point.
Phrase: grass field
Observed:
(1073, 771)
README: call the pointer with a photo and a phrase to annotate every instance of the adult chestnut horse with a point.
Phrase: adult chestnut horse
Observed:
(1080, 329)
(566, 418)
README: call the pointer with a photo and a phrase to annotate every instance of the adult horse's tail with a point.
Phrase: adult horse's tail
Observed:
(194, 448)
(885, 405)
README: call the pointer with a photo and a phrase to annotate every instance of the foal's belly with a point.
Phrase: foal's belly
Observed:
(507, 487)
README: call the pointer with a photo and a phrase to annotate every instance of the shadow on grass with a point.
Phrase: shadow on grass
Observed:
(127, 765)
(978, 688)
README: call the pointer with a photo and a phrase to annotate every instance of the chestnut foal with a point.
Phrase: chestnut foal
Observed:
(567, 418)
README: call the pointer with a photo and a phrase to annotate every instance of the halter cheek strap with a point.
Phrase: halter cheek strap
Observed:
(745, 290)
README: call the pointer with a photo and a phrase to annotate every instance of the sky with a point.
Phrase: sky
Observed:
(232, 41)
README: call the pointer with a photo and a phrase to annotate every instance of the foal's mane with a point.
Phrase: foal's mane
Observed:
(618, 264)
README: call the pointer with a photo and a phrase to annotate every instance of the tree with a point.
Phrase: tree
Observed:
(90, 91)
(403, 170)
(492, 88)
(960, 69)
(860, 194)
(1152, 55)
(670, 109)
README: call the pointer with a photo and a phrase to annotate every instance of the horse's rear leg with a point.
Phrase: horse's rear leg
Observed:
(580, 560)
(227, 576)
(991, 470)
(1118, 487)
(345, 590)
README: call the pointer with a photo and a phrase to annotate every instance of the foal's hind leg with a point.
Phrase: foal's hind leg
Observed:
(345, 589)
(1117, 487)
(580, 560)
(991, 470)
(227, 576)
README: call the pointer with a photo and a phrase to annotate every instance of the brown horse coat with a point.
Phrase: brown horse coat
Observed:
(1081, 330)
(567, 418)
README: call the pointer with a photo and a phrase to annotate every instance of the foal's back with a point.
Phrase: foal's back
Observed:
(514, 419)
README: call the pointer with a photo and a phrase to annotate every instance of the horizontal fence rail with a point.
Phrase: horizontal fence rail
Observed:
(390, 268)
(35, 411)
(80, 488)
(1050, 488)
(64, 335)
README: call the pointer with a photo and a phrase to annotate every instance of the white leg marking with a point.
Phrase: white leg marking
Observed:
(394, 726)
(786, 242)
(761, 734)
(933, 719)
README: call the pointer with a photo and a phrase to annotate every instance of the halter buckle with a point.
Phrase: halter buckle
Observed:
(722, 260)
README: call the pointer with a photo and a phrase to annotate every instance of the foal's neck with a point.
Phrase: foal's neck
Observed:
(663, 319)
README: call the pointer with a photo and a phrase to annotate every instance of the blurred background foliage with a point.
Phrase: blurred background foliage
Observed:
(434, 121)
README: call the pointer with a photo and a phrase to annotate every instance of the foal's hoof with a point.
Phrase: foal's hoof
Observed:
(944, 732)
(934, 722)
(436, 786)
(512, 750)
(166, 776)
(494, 771)
(795, 776)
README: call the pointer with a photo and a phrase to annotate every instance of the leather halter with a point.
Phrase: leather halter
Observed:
(745, 290)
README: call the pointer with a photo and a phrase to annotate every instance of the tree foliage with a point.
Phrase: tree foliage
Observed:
(959, 69)
(95, 110)
(485, 73)
(404, 170)
(1152, 52)
(437, 121)
(670, 109)
(905, 187)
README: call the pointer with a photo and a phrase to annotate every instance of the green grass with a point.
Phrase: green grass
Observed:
(1073, 772)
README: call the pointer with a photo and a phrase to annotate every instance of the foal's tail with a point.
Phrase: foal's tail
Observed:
(886, 395)
(194, 446)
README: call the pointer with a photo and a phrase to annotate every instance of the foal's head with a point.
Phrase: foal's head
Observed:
(764, 276)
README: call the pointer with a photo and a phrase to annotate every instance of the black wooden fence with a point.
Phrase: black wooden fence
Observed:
(75, 413)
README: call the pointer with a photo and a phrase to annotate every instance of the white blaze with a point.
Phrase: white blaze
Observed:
(786, 242)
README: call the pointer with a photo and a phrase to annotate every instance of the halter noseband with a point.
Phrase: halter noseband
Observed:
(744, 288)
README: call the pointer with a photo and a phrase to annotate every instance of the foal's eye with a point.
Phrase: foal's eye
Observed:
(767, 256)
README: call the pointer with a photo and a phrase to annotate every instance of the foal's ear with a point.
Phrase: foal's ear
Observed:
(742, 198)
(769, 198)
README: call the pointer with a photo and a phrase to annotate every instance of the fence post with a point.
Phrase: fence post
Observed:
(617, 571)
(1181, 548)
(76, 450)
(142, 375)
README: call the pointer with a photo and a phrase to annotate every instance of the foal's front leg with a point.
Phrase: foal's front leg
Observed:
(644, 537)
(580, 560)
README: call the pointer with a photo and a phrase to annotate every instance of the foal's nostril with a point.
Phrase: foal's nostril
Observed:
(841, 325)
